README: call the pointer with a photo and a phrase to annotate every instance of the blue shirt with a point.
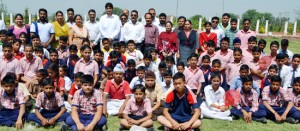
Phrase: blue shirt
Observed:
(60, 62)
(237, 83)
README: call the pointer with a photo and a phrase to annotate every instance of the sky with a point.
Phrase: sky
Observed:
(188, 8)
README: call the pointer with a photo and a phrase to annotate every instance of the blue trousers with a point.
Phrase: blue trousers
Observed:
(48, 115)
(85, 119)
(280, 110)
(238, 113)
(8, 117)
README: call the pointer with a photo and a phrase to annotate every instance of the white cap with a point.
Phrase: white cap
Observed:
(118, 68)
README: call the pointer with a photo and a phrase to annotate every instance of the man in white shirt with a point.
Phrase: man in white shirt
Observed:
(42, 28)
(162, 22)
(294, 71)
(220, 32)
(155, 20)
(110, 25)
(134, 30)
(70, 13)
(93, 27)
(284, 48)
(2, 25)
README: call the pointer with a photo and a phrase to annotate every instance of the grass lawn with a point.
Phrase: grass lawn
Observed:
(207, 124)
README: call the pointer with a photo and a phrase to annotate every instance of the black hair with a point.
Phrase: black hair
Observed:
(247, 78)
(211, 43)
(162, 65)
(179, 75)
(252, 39)
(226, 14)
(44, 10)
(296, 80)
(28, 45)
(148, 56)
(273, 67)
(82, 48)
(216, 61)
(123, 15)
(91, 10)
(65, 68)
(150, 74)
(53, 51)
(181, 17)
(244, 67)
(59, 12)
(6, 45)
(170, 58)
(139, 87)
(215, 74)
(48, 82)
(189, 21)
(141, 68)
(233, 20)
(168, 73)
(262, 41)
(8, 79)
(63, 38)
(73, 47)
(35, 37)
(87, 79)
(296, 56)
(194, 55)
(135, 11)
(13, 75)
(206, 57)
(98, 51)
(117, 44)
(3, 32)
(130, 42)
(109, 69)
(237, 50)
(280, 56)
(77, 16)
(215, 18)
(151, 9)
(108, 4)
(162, 15)
(286, 55)
(131, 62)
(39, 48)
(225, 39)
(11, 35)
(105, 39)
(122, 44)
(114, 54)
(246, 19)
(17, 41)
(169, 23)
(78, 75)
(16, 16)
(53, 67)
(180, 63)
(70, 9)
(256, 49)
(276, 78)
(85, 40)
(207, 23)
(43, 72)
(284, 42)
(274, 43)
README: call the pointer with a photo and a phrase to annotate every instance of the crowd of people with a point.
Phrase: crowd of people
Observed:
(75, 74)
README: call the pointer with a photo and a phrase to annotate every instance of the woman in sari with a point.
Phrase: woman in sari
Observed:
(19, 27)
(61, 28)
(78, 32)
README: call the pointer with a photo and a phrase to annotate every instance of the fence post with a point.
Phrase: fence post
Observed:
(38, 16)
(200, 24)
(266, 28)
(11, 19)
(257, 27)
(238, 24)
(29, 18)
(295, 28)
(285, 28)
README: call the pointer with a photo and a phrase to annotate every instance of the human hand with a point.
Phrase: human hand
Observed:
(19, 124)
(80, 126)
(52, 121)
(89, 127)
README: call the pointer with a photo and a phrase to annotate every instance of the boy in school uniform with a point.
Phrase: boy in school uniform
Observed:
(16, 49)
(36, 86)
(140, 78)
(284, 48)
(255, 70)
(106, 48)
(38, 51)
(54, 59)
(167, 85)
(36, 41)
(294, 93)
(9, 63)
(130, 73)
(262, 45)
(282, 70)
(162, 67)
(179, 105)
(63, 51)
(72, 60)
(247, 52)
(87, 107)
(272, 71)
(13, 104)
(114, 60)
(149, 64)
(210, 52)
(294, 70)
(277, 103)
(75, 86)
(110, 76)
(49, 106)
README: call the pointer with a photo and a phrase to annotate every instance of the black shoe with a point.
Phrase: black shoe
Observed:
(291, 120)
(262, 120)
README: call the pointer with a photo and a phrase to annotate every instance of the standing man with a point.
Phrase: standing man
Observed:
(126, 12)
(42, 28)
(162, 22)
(151, 34)
(245, 33)
(70, 20)
(134, 30)
(225, 25)
(110, 25)
(232, 32)
(93, 27)
(124, 19)
(155, 20)
(220, 32)
(181, 20)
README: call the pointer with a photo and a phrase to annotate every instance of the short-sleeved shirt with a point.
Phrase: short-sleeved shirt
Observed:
(232, 70)
(117, 91)
(52, 103)
(45, 30)
(136, 81)
(24, 89)
(59, 84)
(278, 98)
(193, 77)
(87, 105)
(154, 94)
(138, 110)
(136, 55)
(29, 68)
(247, 55)
(244, 36)
(12, 101)
(35, 87)
(237, 83)
(249, 99)
(214, 97)
(63, 54)
(254, 66)
(212, 57)
(90, 68)
(224, 57)
(294, 97)
(181, 108)
(9, 66)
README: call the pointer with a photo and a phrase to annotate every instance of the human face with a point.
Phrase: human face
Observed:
(237, 45)
(10, 39)
(251, 44)
(98, 57)
(225, 19)
(179, 85)
(42, 15)
(78, 82)
(16, 46)
(148, 19)
(108, 10)
(216, 67)
(214, 23)
(246, 25)
(73, 53)
(114, 60)
(70, 15)
(244, 72)
(87, 88)
(296, 62)
(85, 43)
(256, 55)
(36, 42)
(150, 82)
(28, 52)
(215, 82)
(53, 57)
(92, 16)
(48, 90)
(141, 74)
(233, 26)
(224, 45)
(134, 17)
(280, 62)
(261, 46)
(162, 20)
(131, 67)
(193, 62)
(86, 53)
(3, 37)
(181, 22)
(139, 95)
(117, 48)
(62, 43)
(23, 38)
(19, 21)
(131, 47)
(207, 27)
(110, 75)
(153, 13)
(118, 76)
(123, 49)
(206, 63)
(39, 54)
(105, 44)
(296, 87)
(187, 26)
(124, 19)
(169, 64)
(168, 79)
(162, 71)
(147, 61)
(39, 77)
(52, 74)
(274, 48)
(168, 27)
(153, 55)
(237, 56)
(61, 72)
(59, 17)
(284, 48)
(8, 88)
(180, 69)
(275, 86)
(272, 72)
(247, 86)
(78, 21)
(210, 49)
(7, 52)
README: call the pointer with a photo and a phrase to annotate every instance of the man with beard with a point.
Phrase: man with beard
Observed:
(225, 22)
(162, 22)
(181, 20)
(70, 13)
(42, 28)
(93, 27)
(151, 34)
(245, 33)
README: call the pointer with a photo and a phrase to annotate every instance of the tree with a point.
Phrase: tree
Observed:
(26, 17)
(117, 11)
(253, 15)
(232, 15)
(195, 21)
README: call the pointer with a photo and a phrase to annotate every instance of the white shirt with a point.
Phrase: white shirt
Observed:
(68, 83)
(109, 26)
(165, 88)
(136, 81)
(220, 34)
(136, 55)
(2, 25)
(214, 97)
(173, 69)
(134, 32)
(288, 52)
(151, 67)
(154, 22)
(289, 77)
(283, 74)
(161, 28)
(46, 53)
(70, 23)
(45, 30)
(159, 77)
(93, 29)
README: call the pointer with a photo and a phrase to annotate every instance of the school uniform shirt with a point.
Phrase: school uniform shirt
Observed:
(154, 94)
(278, 98)
(181, 107)
(19, 55)
(166, 87)
(249, 99)
(136, 81)
(12, 102)
(247, 55)
(29, 68)
(24, 89)
(237, 83)
(283, 72)
(52, 103)
(132, 108)
(87, 104)
(71, 64)
(292, 74)
(254, 66)
(288, 52)
(214, 97)
(294, 97)
(73, 89)
(193, 77)
(9, 66)
(224, 57)
(159, 78)
(136, 55)
(106, 54)
(68, 83)
(173, 69)
(153, 67)
(63, 54)
(117, 91)
(89, 68)
(232, 70)
(35, 87)
(212, 57)
(129, 75)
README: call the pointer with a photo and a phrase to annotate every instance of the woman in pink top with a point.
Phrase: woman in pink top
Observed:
(204, 37)
(19, 27)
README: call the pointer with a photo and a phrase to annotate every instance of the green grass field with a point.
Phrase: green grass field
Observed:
(207, 124)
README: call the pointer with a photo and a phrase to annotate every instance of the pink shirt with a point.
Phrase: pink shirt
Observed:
(248, 99)
(63, 54)
(194, 78)
(247, 55)
(225, 57)
(294, 97)
(138, 110)
(11, 66)
(52, 103)
(212, 57)
(232, 70)
(275, 99)
(14, 101)
(87, 105)
(28, 68)
(255, 66)
(244, 37)
(17, 31)
(90, 68)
